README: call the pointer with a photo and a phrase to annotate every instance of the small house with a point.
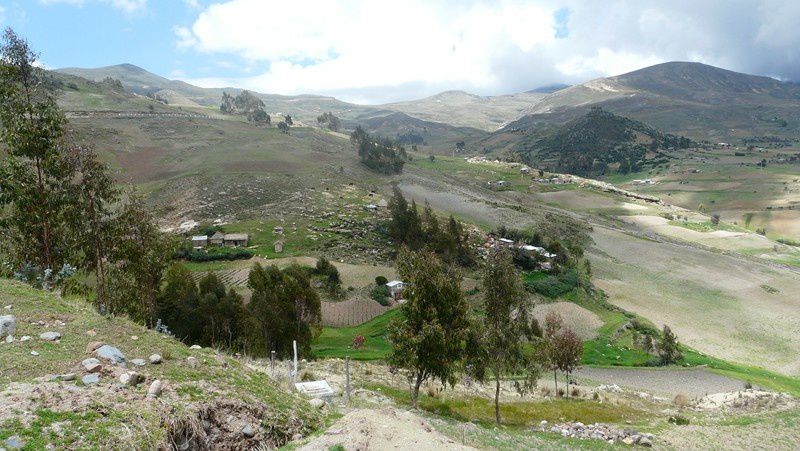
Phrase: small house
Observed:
(396, 288)
(217, 239)
(199, 241)
(506, 242)
(235, 239)
(278, 247)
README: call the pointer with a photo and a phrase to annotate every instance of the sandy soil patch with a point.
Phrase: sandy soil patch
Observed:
(584, 322)
(387, 428)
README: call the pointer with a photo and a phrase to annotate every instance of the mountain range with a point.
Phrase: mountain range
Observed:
(695, 100)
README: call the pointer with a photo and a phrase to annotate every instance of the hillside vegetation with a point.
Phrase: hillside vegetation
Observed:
(591, 144)
(206, 397)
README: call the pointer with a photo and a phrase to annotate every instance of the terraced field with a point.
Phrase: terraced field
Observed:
(351, 312)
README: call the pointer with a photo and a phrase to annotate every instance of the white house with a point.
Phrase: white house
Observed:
(199, 241)
(396, 288)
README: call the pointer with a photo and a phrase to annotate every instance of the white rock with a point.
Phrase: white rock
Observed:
(192, 361)
(34, 353)
(155, 359)
(138, 362)
(195, 347)
(50, 336)
(130, 378)
(317, 403)
(8, 324)
(25, 338)
(155, 389)
(10, 339)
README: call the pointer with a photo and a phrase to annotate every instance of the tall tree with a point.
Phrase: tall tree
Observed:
(552, 328)
(92, 221)
(505, 331)
(667, 347)
(36, 171)
(428, 338)
(143, 254)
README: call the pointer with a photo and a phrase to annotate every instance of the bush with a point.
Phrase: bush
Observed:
(680, 400)
(380, 280)
(678, 420)
(358, 341)
(380, 294)
(214, 254)
(554, 286)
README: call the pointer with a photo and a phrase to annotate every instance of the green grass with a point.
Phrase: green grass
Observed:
(337, 342)
(707, 226)
(518, 413)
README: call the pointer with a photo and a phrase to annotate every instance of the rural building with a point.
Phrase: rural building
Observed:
(396, 288)
(217, 239)
(235, 239)
(278, 247)
(199, 241)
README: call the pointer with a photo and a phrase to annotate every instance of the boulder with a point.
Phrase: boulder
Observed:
(34, 353)
(192, 361)
(131, 378)
(111, 354)
(66, 377)
(50, 336)
(90, 379)
(155, 359)
(93, 345)
(10, 339)
(317, 403)
(155, 389)
(646, 442)
(138, 362)
(195, 347)
(14, 442)
(8, 324)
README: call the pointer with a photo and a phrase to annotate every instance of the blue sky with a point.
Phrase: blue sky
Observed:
(372, 51)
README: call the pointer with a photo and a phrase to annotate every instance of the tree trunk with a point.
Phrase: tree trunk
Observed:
(497, 399)
(555, 379)
(415, 392)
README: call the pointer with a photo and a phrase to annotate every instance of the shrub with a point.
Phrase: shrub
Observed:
(560, 392)
(380, 280)
(554, 286)
(380, 294)
(680, 400)
(576, 393)
(678, 420)
(214, 254)
(358, 341)
(748, 385)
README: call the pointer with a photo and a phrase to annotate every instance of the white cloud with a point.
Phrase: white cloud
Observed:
(380, 51)
(193, 4)
(128, 6)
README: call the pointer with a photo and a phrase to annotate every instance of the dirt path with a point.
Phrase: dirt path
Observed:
(387, 428)
(664, 382)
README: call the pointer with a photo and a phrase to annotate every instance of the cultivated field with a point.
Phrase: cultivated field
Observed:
(351, 312)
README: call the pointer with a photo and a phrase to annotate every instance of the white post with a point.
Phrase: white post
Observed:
(294, 345)
(347, 377)
(272, 363)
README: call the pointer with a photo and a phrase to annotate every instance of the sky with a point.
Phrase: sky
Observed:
(378, 51)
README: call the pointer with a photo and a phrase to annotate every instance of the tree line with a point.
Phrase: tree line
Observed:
(407, 227)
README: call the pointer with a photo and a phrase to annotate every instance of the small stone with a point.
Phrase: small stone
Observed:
(628, 441)
(138, 362)
(134, 337)
(93, 346)
(10, 339)
(155, 359)
(111, 354)
(67, 377)
(8, 307)
(34, 353)
(155, 389)
(317, 403)
(192, 361)
(50, 336)
(94, 368)
(91, 332)
(195, 347)
(247, 431)
(646, 442)
(90, 379)
(25, 338)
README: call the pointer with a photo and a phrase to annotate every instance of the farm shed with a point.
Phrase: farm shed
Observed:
(199, 241)
(217, 239)
(396, 288)
(235, 239)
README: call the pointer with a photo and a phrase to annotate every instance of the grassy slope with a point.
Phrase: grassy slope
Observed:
(184, 386)
(336, 342)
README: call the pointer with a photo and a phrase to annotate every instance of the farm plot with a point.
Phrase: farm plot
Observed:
(230, 277)
(351, 312)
